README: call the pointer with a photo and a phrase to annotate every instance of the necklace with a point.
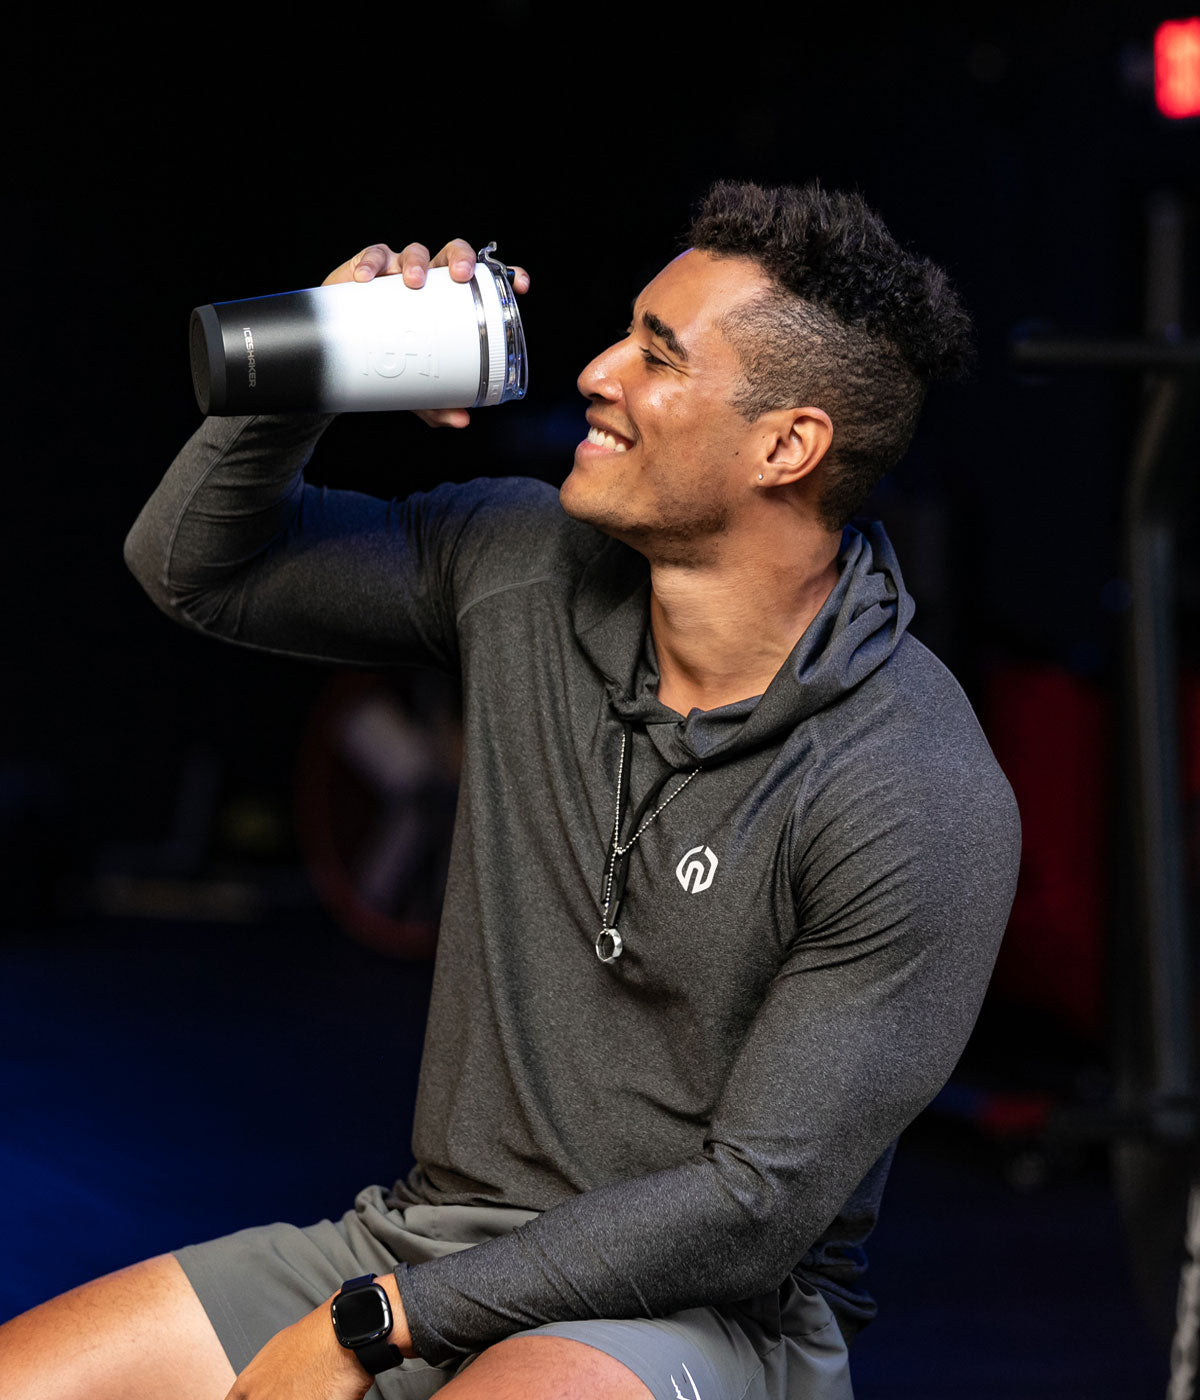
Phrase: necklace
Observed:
(609, 944)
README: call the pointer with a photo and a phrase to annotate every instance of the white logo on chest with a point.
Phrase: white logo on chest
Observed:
(696, 869)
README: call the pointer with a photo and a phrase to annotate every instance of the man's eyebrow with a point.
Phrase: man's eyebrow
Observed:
(664, 333)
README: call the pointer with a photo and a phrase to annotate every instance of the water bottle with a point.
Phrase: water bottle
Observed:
(363, 346)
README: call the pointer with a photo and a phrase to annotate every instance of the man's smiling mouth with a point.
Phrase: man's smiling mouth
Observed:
(599, 438)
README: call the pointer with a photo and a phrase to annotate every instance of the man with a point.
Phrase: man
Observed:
(731, 864)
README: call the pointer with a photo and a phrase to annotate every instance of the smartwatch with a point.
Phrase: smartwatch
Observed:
(362, 1322)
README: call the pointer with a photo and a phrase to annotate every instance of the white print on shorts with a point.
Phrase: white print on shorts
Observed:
(696, 869)
(695, 1395)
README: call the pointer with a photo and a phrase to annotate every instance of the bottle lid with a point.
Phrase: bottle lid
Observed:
(504, 364)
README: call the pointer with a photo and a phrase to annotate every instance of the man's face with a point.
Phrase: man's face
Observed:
(668, 460)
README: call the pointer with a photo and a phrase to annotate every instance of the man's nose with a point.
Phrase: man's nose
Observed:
(598, 379)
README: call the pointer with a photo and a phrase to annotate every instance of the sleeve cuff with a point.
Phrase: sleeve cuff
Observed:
(429, 1345)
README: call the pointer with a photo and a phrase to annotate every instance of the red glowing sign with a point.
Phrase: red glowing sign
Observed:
(1177, 68)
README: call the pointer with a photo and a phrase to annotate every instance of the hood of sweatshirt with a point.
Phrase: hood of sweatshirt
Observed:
(857, 629)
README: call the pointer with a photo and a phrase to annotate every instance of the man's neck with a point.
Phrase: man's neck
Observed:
(723, 628)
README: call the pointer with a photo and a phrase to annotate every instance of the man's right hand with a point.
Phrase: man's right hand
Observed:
(412, 263)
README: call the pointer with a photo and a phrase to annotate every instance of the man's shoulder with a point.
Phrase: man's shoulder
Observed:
(912, 720)
(504, 531)
(917, 674)
(501, 499)
(929, 698)
(905, 779)
(515, 505)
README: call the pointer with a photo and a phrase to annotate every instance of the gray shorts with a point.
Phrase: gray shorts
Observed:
(783, 1346)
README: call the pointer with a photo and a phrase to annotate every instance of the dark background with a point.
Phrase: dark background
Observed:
(164, 964)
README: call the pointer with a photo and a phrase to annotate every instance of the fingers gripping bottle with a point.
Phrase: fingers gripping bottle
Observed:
(363, 346)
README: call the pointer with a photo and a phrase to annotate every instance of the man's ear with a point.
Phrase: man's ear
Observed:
(801, 438)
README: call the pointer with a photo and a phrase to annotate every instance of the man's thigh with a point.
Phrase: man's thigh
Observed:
(777, 1347)
(139, 1334)
(528, 1367)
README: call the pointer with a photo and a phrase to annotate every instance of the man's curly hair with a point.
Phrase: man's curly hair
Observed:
(862, 329)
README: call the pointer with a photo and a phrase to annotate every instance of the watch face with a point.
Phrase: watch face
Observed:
(362, 1316)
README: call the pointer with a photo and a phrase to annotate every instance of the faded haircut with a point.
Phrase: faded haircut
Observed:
(855, 324)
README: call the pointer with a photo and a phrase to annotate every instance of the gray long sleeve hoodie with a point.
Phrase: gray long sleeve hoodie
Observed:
(717, 1108)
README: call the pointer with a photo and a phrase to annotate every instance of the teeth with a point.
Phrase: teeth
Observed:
(606, 440)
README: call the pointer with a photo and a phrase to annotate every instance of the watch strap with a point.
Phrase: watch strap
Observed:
(379, 1356)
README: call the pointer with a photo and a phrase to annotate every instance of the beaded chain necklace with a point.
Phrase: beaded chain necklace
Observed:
(609, 943)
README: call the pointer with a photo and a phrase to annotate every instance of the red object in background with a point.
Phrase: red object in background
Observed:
(1050, 734)
(1177, 68)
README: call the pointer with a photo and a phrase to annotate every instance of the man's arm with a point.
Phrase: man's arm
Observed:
(234, 543)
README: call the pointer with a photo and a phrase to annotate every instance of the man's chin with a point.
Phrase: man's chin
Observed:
(582, 504)
(575, 500)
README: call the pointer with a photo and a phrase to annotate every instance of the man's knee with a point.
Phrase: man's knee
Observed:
(545, 1368)
(138, 1334)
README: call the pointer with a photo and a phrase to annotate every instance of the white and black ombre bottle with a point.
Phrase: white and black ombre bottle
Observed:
(362, 346)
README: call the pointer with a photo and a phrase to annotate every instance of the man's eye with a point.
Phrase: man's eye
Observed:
(652, 359)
